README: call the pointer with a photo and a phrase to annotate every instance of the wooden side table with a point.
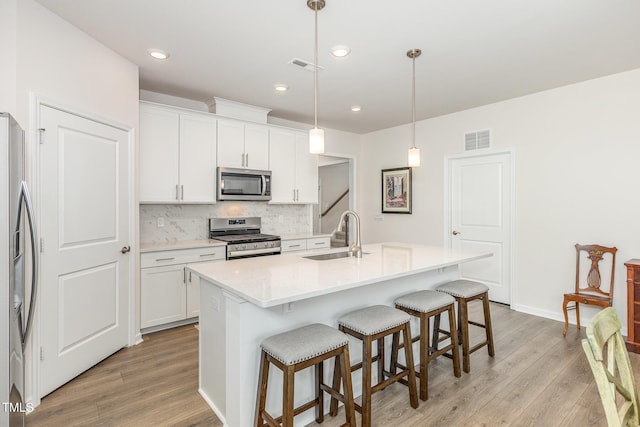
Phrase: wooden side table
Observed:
(633, 305)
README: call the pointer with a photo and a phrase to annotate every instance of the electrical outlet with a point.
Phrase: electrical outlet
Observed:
(160, 222)
(378, 217)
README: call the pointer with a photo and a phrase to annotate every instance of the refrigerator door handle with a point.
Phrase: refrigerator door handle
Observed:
(25, 200)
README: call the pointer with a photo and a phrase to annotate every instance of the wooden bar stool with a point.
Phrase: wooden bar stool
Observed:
(465, 291)
(296, 350)
(424, 305)
(374, 324)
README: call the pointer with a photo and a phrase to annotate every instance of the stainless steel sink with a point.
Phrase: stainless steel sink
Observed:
(334, 255)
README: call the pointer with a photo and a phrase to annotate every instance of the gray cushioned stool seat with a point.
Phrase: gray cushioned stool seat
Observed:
(374, 319)
(463, 288)
(425, 301)
(304, 343)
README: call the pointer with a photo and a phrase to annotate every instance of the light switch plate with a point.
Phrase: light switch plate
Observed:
(160, 222)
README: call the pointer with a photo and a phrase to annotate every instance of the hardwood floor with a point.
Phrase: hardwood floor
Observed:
(151, 384)
(537, 378)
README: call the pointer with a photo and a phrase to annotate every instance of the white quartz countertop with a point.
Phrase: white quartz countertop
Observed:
(303, 236)
(188, 244)
(274, 280)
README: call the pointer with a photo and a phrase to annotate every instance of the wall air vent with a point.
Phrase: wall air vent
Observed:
(305, 65)
(477, 140)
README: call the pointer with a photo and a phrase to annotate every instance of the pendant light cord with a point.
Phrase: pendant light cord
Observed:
(315, 74)
(413, 102)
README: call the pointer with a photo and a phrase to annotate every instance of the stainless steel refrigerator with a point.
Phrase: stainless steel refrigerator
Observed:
(18, 263)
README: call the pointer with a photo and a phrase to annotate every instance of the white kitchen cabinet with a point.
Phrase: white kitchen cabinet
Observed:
(303, 244)
(177, 155)
(168, 293)
(243, 145)
(294, 171)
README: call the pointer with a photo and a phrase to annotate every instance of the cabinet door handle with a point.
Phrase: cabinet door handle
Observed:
(185, 276)
(177, 192)
(181, 192)
(247, 157)
(294, 194)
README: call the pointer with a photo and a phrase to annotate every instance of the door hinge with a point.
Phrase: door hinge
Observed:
(41, 132)
(41, 245)
(41, 354)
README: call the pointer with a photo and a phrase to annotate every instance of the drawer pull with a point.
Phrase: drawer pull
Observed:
(165, 259)
(319, 243)
(204, 255)
(294, 246)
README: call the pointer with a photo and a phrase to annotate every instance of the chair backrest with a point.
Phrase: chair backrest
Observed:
(593, 279)
(612, 371)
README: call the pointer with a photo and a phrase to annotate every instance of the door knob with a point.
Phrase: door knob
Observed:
(125, 249)
(455, 233)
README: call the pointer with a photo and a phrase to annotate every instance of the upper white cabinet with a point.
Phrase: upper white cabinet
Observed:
(243, 145)
(177, 155)
(294, 171)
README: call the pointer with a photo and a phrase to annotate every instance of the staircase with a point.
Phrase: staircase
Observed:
(339, 239)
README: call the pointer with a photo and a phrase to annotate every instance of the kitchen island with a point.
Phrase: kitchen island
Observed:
(244, 301)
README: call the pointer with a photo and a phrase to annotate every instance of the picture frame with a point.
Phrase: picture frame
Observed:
(396, 190)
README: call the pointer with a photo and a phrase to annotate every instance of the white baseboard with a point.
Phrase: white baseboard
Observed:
(585, 315)
(213, 407)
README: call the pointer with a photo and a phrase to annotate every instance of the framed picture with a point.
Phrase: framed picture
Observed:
(396, 190)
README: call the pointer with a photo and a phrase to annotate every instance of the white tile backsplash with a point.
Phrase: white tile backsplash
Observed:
(190, 222)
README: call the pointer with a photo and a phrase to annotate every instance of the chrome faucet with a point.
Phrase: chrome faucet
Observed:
(355, 248)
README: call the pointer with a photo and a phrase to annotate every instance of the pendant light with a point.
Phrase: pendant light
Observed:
(413, 155)
(316, 136)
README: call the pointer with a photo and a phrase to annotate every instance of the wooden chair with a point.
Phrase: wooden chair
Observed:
(612, 373)
(593, 293)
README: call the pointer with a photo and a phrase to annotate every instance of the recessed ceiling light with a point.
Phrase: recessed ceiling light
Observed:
(158, 53)
(280, 87)
(340, 51)
(356, 108)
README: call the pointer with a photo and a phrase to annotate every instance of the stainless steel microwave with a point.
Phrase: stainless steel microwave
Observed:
(243, 184)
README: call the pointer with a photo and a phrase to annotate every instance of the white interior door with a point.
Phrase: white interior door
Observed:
(480, 194)
(84, 181)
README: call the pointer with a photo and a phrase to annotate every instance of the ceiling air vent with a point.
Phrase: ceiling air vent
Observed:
(305, 65)
(477, 140)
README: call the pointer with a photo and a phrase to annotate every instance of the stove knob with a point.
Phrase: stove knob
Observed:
(255, 246)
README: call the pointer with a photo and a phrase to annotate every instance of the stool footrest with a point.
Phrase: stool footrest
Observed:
(392, 379)
(333, 393)
(478, 347)
(480, 325)
(357, 366)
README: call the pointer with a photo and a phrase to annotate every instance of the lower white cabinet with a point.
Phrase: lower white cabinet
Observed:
(168, 292)
(304, 244)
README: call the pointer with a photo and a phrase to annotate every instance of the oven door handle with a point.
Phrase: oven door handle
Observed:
(265, 251)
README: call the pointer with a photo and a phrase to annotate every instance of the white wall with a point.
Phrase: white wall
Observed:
(57, 60)
(576, 161)
(8, 68)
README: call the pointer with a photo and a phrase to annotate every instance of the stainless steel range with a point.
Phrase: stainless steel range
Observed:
(243, 237)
